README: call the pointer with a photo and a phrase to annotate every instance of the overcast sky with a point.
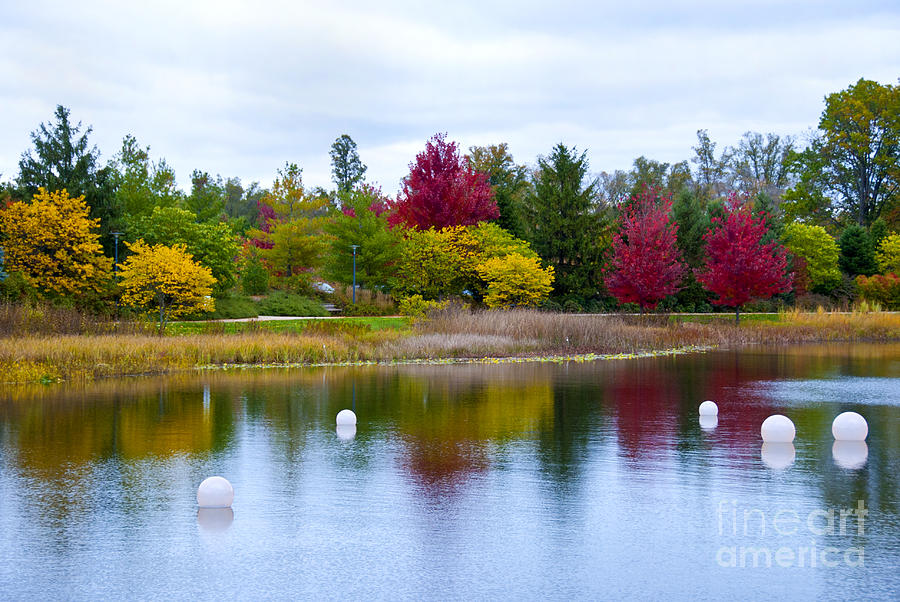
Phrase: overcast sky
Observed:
(238, 88)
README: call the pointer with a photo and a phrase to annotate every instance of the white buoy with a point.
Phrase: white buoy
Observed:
(345, 432)
(851, 455)
(346, 417)
(777, 429)
(708, 422)
(777, 456)
(709, 408)
(215, 492)
(850, 426)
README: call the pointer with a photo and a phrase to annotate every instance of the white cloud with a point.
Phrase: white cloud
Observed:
(239, 88)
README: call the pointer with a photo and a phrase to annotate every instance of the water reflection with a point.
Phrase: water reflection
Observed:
(215, 520)
(851, 455)
(778, 456)
(345, 432)
(708, 423)
(453, 468)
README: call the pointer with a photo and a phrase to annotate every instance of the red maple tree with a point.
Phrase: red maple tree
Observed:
(646, 265)
(739, 265)
(442, 190)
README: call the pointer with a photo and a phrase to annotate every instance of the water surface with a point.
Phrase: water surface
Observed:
(525, 481)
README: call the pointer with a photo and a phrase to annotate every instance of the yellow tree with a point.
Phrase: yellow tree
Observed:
(166, 280)
(515, 281)
(54, 245)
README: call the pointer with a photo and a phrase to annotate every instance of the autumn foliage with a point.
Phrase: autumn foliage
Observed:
(166, 281)
(443, 190)
(740, 266)
(53, 243)
(646, 265)
(883, 289)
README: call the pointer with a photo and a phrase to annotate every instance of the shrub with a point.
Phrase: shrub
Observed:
(254, 278)
(417, 307)
(285, 304)
(881, 289)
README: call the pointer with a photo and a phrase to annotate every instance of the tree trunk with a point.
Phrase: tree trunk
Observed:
(737, 316)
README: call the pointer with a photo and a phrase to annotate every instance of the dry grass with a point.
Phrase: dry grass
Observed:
(566, 333)
(85, 358)
(448, 334)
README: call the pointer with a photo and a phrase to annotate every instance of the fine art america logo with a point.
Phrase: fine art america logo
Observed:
(756, 529)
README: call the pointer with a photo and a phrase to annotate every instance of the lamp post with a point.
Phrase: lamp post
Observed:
(116, 236)
(354, 247)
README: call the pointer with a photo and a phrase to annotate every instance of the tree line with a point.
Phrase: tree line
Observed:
(814, 223)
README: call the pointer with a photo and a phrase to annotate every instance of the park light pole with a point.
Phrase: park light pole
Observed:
(116, 236)
(354, 247)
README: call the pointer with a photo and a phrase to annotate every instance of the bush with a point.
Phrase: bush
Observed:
(881, 289)
(285, 304)
(417, 307)
(255, 278)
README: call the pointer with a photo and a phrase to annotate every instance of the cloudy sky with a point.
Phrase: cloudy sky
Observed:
(238, 88)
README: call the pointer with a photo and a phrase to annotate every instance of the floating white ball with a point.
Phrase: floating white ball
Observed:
(215, 492)
(777, 456)
(707, 422)
(346, 432)
(778, 429)
(850, 426)
(850, 454)
(346, 417)
(709, 408)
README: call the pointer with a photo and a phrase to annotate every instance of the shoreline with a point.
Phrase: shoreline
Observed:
(444, 339)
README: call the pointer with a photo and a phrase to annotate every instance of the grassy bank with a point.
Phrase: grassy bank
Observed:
(49, 357)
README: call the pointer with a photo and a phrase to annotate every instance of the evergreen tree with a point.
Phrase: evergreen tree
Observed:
(565, 224)
(857, 253)
(63, 159)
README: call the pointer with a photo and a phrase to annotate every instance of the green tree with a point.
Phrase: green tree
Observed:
(820, 252)
(857, 255)
(856, 155)
(347, 170)
(242, 204)
(508, 181)
(63, 159)
(165, 280)
(141, 184)
(566, 225)
(212, 244)
(297, 238)
(362, 221)
(207, 198)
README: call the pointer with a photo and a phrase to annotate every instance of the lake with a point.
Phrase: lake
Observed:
(542, 481)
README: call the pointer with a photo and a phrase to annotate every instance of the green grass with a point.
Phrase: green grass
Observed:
(368, 323)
